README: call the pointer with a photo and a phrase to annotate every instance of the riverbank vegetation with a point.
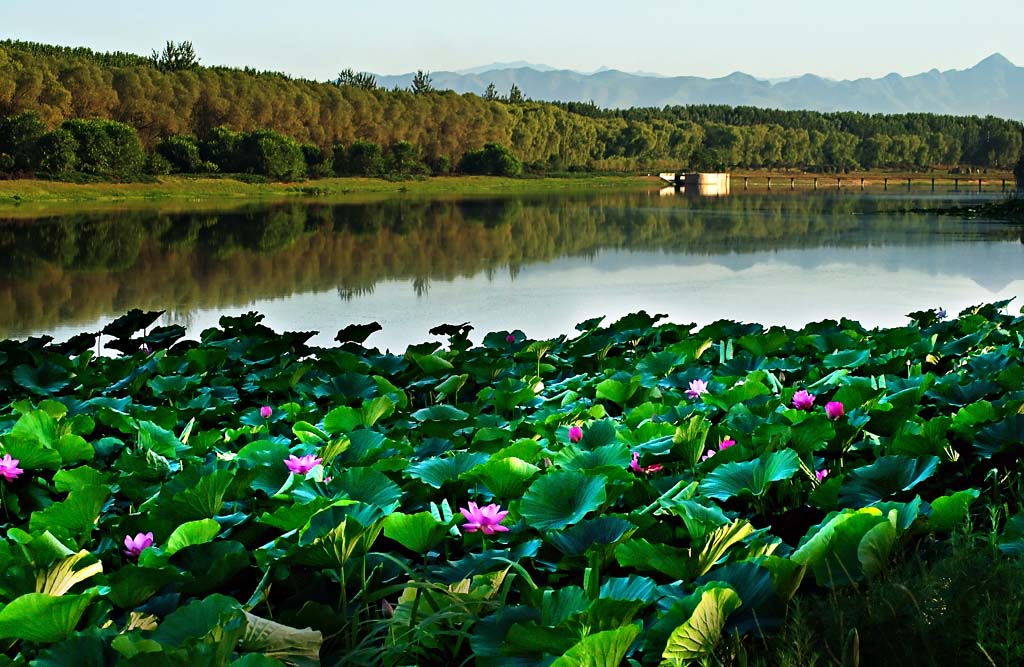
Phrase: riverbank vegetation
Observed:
(288, 128)
(639, 493)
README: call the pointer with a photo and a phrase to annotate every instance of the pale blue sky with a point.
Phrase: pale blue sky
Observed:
(316, 38)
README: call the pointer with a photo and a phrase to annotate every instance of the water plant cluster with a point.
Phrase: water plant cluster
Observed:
(639, 493)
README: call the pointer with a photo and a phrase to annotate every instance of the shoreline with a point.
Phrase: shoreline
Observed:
(16, 194)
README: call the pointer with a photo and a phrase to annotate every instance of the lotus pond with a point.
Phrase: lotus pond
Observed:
(636, 493)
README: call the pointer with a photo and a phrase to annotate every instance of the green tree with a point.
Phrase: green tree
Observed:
(182, 154)
(491, 93)
(349, 77)
(273, 155)
(422, 83)
(493, 159)
(515, 96)
(404, 159)
(56, 152)
(175, 57)
(106, 147)
(18, 136)
(363, 158)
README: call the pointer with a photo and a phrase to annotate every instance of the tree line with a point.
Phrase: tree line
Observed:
(171, 95)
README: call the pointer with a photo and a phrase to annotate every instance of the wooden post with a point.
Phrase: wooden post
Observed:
(839, 183)
(815, 182)
(744, 182)
(1004, 185)
(979, 185)
(792, 183)
(933, 184)
(908, 183)
(956, 184)
(862, 184)
(885, 183)
(769, 182)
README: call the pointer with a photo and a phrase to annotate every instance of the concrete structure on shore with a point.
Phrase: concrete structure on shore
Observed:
(699, 183)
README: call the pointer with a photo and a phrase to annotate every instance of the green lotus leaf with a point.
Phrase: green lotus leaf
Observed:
(615, 391)
(440, 413)
(887, 476)
(342, 420)
(191, 533)
(418, 532)
(733, 479)
(602, 531)
(601, 649)
(505, 477)
(436, 472)
(369, 486)
(950, 512)
(76, 514)
(697, 638)
(560, 499)
(37, 617)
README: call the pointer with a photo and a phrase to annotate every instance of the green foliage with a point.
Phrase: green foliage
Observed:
(493, 159)
(182, 153)
(362, 158)
(175, 57)
(421, 83)
(18, 138)
(349, 77)
(56, 152)
(270, 154)
(106, 148)
(596, 562)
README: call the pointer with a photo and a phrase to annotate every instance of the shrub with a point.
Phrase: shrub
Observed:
(220, 147)
(181, 153)
(404, 159)
(106, 147)
(493, 159)
(157, 165)
(18, 136)
(56, 152)
(441, 165)
(316, 162)
(271, 154)
(363, 158)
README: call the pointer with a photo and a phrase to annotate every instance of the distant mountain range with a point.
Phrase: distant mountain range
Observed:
(995, 86)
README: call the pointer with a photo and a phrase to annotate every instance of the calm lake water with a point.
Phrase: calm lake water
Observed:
(539, 264)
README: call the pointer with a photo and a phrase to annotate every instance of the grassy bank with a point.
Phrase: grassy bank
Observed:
(27, 191)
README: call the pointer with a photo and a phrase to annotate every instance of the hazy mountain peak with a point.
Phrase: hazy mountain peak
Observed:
(995, 61)
(995, 86)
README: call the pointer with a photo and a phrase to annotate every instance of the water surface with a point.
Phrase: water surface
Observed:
(539, 264)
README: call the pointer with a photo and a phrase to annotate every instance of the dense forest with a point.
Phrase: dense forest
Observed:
(195, 119)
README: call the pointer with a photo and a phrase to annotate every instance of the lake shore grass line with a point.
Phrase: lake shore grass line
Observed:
(29, 191)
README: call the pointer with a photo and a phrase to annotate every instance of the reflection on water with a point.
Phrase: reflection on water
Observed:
(540, 264)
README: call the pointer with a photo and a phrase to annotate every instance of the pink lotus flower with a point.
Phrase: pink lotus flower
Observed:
(300, 465)
(266, 411)
(511, 338)
(803, 400)
(834, 409)
(575, 434)
(697, 387)
(486, 519)
(722, 446)
(821, 474)
(9, 469)
(135, 545)
(635, 466)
